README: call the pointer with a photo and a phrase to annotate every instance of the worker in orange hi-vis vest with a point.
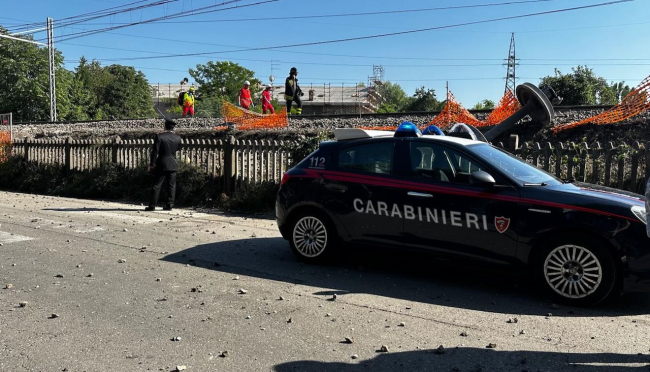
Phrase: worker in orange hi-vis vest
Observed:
(266, 101)
(245, 100)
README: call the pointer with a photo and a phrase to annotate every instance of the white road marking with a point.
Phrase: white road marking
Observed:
(6, 238)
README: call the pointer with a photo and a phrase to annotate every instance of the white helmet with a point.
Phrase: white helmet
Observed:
(247, 82)
(267, 86)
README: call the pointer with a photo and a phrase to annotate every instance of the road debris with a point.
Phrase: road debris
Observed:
(383, 349)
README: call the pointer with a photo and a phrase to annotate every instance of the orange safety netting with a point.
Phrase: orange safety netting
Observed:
(248, 120)
(507, 106)
(633, 104)
(5, 145)
(453, 113)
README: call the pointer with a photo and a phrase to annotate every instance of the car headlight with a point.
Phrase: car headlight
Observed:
(639, 212)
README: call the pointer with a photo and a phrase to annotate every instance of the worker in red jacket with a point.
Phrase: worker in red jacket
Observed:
(266, 101)
(245, 100)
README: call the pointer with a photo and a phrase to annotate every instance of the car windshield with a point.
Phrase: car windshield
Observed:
(513, 166)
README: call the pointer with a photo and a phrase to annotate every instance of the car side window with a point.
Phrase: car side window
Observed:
(374, 157)
(431, 161)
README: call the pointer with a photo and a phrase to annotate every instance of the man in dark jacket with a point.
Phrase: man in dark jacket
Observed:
(292, 91)
(164, 164)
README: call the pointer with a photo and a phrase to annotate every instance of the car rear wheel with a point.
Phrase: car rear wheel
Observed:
(577, 270)
(312, 237)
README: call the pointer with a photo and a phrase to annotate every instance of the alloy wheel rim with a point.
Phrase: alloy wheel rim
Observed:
(573, 271)
(310, 236)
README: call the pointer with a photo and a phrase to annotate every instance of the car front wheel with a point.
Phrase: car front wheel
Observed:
(577, 270)
(311, 237)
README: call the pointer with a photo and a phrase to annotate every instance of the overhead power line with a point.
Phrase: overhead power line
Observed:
(339, 15)
(376, 36)
(68, 21)
(202, 10)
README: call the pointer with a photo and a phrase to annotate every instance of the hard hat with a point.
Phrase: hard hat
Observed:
(268, 86)
(247, 82)
(191, 89)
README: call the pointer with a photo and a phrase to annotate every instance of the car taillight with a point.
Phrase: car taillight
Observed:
(285, 179)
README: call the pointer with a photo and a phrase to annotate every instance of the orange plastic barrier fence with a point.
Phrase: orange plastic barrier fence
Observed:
(5, 145)
(248, 120)
(453, 113)
(633, 104)
(507, 106)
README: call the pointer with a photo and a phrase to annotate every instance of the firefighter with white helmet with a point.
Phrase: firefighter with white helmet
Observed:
(266, 100)
(245, 100)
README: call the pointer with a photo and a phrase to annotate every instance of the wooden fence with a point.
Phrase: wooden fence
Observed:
(239, 162)
(235, 162)
(624, 166)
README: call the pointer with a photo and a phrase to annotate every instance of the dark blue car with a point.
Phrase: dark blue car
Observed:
(466, 199)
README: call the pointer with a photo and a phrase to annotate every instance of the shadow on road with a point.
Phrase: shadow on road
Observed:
(412, 277)
(479, 360)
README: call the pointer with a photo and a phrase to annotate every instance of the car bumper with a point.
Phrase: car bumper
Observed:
(637, 260)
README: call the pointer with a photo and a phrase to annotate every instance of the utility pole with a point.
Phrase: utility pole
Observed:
(511, 66)
(50, 46)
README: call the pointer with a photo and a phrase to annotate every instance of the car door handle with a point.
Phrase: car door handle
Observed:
(419, 194)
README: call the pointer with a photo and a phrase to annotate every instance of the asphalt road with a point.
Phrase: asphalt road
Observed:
(124, 283)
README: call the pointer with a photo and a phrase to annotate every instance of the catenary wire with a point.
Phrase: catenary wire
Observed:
(384, 34)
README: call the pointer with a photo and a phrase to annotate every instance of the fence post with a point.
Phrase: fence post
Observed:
(229, 158)
(513, 143)
(67, 154)
(26, 149)
(114, 150)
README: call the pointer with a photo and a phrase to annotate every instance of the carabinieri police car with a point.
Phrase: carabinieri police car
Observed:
(467, 199)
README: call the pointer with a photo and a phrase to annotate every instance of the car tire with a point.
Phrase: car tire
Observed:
(577, 270)
(312, 237)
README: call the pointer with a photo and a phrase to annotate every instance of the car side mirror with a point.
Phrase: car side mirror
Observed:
(482, 179)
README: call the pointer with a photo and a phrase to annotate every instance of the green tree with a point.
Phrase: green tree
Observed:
(424, 100)
(90, 92)
(485, 104)
(583, 87)
(222, 80)
(111, 92)
(24, 80)
(392, 97)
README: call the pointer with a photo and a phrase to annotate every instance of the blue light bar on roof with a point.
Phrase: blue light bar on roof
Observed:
(408, 129)
(433, 130)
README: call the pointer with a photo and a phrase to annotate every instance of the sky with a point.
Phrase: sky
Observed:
(610, 39)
